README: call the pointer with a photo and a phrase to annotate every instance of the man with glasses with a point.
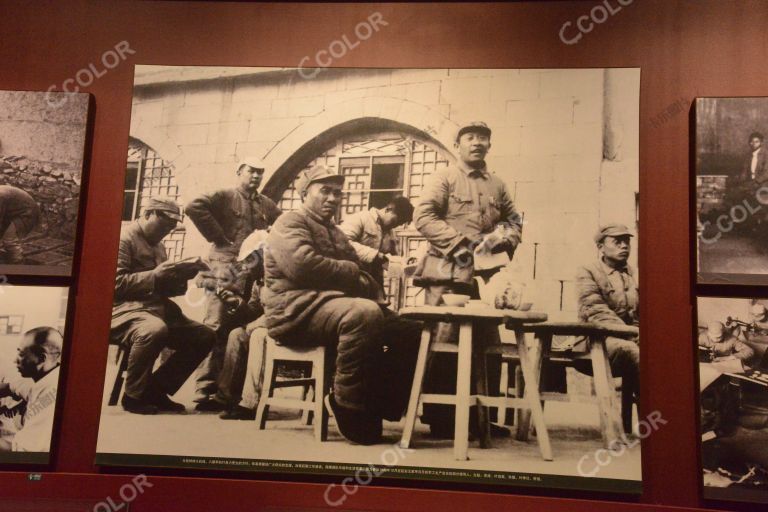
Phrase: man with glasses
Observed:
(225, 218)
(145, 320)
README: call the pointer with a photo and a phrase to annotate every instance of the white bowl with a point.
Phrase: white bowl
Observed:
(455, 300)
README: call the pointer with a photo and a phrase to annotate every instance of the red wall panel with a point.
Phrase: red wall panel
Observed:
(685, 49)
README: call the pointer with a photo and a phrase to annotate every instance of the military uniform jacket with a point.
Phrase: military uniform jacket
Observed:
(461, 204)
(306, 262)
(367, 236)
(230, 215)
(135, 287)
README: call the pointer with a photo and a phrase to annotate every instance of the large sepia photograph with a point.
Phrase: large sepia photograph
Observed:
(732, 190)
(31, 325)
(42, 146)
(406, 273)
(733, 382)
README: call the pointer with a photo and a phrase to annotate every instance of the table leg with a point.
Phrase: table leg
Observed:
(532, 396)
(479, 363)
(536, 352)
(418, 381)
(610, 422)
(463, 380)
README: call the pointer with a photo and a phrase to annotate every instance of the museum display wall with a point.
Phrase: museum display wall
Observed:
(682, 49)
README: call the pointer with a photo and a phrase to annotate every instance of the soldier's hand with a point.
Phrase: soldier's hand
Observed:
(503, 245)
(463, 257)
(164, 272)
(232, 300)
(382, 260)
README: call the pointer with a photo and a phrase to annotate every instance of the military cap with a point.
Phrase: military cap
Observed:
(475, 127)
(251, 161)
(253, 242)
(164, 204)
(316, 173)
(612, 230)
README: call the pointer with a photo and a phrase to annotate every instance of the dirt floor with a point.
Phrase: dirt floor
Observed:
(573, 428)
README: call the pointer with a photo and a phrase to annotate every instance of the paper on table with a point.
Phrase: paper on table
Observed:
(485, 260)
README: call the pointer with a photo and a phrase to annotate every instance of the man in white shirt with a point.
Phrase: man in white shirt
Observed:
(38, 359)
(755, 165)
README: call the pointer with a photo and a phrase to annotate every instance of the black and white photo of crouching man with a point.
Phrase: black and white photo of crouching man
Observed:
(42, 148)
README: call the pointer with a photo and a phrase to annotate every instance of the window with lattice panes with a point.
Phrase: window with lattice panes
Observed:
(147, 175)
(378, 167)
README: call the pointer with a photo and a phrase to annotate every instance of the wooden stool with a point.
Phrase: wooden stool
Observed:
(278, 354)
(122, 365)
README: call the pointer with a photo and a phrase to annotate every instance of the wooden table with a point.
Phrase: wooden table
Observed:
(466, 317)
(610, 417)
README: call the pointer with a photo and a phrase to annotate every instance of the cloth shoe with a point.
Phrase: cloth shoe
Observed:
(355, 426)
(238, 412)
(137, 406)
(211, 405)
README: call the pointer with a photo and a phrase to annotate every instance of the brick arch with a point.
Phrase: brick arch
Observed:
(289, 155)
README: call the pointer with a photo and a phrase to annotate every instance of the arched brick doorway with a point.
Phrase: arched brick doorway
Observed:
(380, 159)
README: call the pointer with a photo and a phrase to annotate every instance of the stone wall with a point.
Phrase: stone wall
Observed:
(48, 128)
(55, 187)
(42, 140)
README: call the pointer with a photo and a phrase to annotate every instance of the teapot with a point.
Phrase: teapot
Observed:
(504, 290)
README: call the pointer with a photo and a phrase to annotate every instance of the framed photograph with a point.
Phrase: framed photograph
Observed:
(42, 146)
(733, 382)
(731, 191)
(293, 238)
(32, 320)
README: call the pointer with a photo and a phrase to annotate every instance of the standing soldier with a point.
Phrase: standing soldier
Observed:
(225, 218)
(465, 209)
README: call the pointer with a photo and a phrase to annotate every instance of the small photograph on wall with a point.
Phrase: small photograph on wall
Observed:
(31, 325)
(315, 265)
(42, 145)
(732, 190)
(733, 382)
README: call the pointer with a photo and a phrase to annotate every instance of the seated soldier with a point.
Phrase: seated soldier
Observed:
(146, 321)
(724, 346)
(242, 308)
(370, 233)
(607, 294)
(316, 293)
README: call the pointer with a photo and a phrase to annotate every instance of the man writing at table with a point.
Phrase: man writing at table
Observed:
(464, 210)
(607, 294)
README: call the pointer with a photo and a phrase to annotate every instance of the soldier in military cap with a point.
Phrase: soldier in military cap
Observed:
(316, 294)
(463, 207)
(225, 218)
(145, 320)
(607, 294)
